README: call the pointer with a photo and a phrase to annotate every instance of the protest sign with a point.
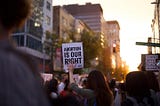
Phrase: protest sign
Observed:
(72, 54)
(149, 62)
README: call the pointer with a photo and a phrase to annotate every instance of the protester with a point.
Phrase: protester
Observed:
(97, 91)
(66, 98)
(62, 84)
(138, 90)
(84, 83)
(21, 84)
(51, 88)
(112, 85)
(152, 81)
(153, 86)
(65, 91)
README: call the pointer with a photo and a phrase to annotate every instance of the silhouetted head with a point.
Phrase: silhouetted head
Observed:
(112, 83)
(14, 12)
(137, 84)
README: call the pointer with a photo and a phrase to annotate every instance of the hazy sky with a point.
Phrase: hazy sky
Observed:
(134, 17)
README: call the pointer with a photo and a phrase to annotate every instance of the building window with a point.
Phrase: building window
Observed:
(19, 40)
(48, 20)
(34, 44)
(34, 30)
(48, 5)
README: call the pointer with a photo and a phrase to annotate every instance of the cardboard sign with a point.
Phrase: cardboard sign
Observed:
(149, 62)
(72, 54)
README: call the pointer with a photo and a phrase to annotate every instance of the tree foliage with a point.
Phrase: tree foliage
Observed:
(91, 46)
(51, 43)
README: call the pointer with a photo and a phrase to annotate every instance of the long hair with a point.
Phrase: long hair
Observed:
(96, 82)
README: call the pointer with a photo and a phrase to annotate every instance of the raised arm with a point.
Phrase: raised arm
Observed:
(71, 69)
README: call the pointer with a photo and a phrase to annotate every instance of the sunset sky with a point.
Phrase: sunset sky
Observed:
(134, 17)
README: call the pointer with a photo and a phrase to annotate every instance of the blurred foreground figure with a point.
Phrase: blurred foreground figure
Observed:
(139, 90)
(20, 82)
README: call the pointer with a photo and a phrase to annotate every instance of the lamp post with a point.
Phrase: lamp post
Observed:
(44, 64)
(43, 51)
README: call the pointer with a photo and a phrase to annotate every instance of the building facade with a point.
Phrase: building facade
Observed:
(65, 25)
(63, 22)
(92, 15)
(80, 26)
(113, 41)
(31, 37)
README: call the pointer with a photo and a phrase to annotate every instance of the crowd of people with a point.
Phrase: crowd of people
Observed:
(22, 85)
(91, 91)
(141, 88)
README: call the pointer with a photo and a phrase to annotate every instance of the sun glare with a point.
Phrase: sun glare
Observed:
(132, 55)
(133, 26)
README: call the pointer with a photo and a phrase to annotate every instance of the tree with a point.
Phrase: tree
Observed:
(51, 44)
(105, 63)
(91, 46)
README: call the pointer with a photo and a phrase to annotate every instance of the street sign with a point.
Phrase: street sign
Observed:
(148, 44)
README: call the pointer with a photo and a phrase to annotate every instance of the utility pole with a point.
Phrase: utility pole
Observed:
(157, 19)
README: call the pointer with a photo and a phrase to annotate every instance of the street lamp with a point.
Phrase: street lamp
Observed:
(94, 62)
